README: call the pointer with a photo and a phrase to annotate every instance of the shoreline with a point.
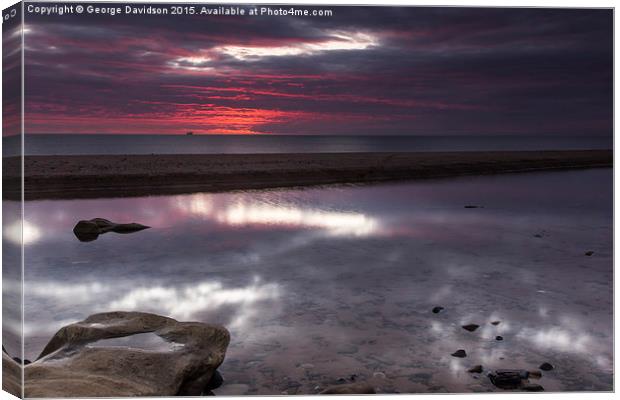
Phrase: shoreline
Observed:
(74, 177)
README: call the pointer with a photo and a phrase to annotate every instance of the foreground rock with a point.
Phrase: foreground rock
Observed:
(122, 354)
(351, 388)
(87, 231)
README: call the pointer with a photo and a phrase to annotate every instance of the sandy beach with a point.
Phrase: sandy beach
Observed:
(50, 177)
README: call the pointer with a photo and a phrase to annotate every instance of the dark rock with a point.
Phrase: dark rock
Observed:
(27, 361)
(589, 253)
(532, 387)
(87, 231)
(495, 323)
(437, 310)
(470, 327)
(215, 382)
(459, 353)
(508, 378)
(538, 235)
(476, 369)
(546, 366)
(17, 360)
(472, 206)
(353, 377)
(499, 338)
(351, 388)
(127, 354)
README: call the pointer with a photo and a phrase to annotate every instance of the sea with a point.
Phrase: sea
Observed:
(90, 144)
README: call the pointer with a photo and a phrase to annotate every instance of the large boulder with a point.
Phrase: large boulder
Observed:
(89, 230)
(121, 354)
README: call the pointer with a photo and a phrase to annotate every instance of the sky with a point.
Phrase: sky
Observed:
(364, 70)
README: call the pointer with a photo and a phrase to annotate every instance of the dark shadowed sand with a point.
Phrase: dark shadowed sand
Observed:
(136, 175)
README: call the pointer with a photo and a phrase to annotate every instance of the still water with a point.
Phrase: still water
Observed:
(339, 282)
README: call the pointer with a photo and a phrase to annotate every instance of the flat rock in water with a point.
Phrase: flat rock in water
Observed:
(470, 327)
(437, 310)
(89, 230)
(127, 354)
(351, 388)
(459, 354)
(499, 338)
(495, 323)
(589, 253)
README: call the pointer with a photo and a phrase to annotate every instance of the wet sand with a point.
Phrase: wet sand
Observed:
(49, 177)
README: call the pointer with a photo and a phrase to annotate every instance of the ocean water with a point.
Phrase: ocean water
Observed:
(330, 283)
(213, 144)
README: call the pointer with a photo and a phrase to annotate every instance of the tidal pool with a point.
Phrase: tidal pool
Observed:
(331, 283)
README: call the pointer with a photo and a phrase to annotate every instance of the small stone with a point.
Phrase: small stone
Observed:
(476, 369)
(589, 253)
(546, 366)
(499, 338)
(353, 377)
(495, 323)
(470, 327)
(341, 380)
(532, 387)
(538, 235)
(536, 374)
(472, 206)
(459, 353)
(437, 310)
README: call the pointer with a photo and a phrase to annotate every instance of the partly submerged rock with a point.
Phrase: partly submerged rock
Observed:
(122, 354)
(470, 327)
(496, 323)
(459, 354)
(437, 310)
(589, 253)
(87, 231)
(350, 388)
(499, 338)
(546, 366)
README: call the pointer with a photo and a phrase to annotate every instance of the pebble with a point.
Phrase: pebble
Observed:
(495, 323)
(437, 310)
(546, 366)
(459, 353)
(499, 338)
(470, 327)
(589, 253)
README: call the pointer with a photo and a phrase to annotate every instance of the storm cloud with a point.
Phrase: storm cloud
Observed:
(364, 70)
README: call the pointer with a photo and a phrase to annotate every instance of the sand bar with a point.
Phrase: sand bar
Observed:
(63, 177)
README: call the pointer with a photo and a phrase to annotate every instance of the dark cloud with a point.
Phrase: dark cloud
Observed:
(382, 70)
